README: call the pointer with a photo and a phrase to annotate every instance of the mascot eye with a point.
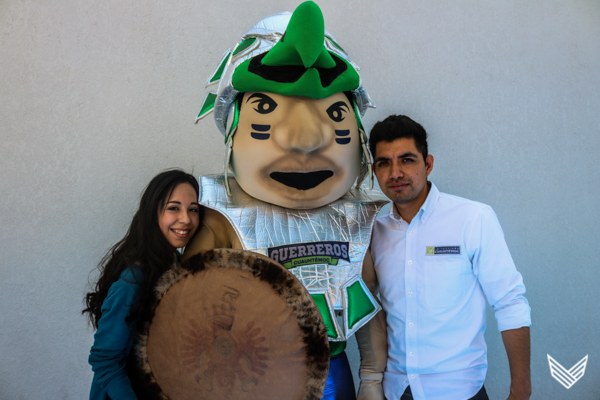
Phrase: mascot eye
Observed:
(263, 104)
(336, 110)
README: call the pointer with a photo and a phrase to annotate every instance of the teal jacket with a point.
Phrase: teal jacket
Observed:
(114, 338)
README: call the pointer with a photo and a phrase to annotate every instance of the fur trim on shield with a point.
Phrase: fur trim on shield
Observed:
(142, 379)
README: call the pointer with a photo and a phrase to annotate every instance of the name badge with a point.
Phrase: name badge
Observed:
(442, 250)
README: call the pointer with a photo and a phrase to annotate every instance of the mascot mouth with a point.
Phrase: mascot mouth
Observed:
(301, 180)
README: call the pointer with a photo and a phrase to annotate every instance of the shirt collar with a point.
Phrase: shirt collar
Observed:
(426, 207)
(430, 201)
(394, 214)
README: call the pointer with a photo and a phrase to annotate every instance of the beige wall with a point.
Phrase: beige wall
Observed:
(98, 97)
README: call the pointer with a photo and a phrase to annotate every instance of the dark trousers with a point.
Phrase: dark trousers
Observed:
(481, 395)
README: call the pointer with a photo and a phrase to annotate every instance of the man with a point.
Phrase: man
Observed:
(435, 256)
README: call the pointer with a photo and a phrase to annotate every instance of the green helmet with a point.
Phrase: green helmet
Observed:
(288, 54)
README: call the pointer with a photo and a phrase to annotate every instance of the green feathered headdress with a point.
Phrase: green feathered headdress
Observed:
(299, 64)
(288, 54)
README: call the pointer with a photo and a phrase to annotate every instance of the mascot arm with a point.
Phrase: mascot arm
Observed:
(216, 233)
(372, 343)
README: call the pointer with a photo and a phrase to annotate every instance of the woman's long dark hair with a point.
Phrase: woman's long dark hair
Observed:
(144, 244)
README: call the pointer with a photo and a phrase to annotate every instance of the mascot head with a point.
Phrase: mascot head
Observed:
(289, 102)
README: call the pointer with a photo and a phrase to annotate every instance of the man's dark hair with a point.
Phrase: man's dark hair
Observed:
(398, 127)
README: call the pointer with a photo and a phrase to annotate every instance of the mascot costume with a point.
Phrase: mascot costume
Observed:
(288, 101)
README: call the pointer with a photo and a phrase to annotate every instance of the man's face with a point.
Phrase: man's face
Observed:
(402, 172)
(296, 152)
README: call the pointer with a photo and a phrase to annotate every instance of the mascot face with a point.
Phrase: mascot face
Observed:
(295, 151)
(292, 135)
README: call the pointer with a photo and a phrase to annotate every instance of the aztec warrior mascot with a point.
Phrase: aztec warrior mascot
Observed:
(288, 101)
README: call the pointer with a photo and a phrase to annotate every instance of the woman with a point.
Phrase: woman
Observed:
(167, 218)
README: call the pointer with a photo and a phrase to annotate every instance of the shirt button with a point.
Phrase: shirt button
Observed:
(412, 232)
(413, 376)
(409, 262)
(411, 354)
(410, 324)
(410, 293)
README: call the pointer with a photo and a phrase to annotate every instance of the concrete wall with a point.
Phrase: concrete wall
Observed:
(98, 97)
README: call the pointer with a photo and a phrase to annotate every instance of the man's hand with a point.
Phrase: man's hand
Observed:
(516, 343)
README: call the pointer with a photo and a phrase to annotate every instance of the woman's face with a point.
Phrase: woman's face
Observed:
(179, 217)
(296, 152)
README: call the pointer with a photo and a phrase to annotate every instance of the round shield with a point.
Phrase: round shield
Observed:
(231, 324)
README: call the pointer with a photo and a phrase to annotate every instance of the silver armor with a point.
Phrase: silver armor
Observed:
(323, 247)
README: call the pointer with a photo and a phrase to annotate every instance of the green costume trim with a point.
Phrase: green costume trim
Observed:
(207, 105)
(302, 42)
(243, 45)
(336, 348)
(358, 118)
(335, 43)
(325, 311)
(216, 76)
(237, 104)
(359, 304)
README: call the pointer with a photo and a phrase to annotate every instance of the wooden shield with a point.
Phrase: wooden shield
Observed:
(231, 324)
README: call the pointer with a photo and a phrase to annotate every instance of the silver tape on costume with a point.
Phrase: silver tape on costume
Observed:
(267, 33)
(261, 226)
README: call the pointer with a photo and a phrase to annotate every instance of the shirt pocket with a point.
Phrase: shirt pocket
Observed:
(446, 282)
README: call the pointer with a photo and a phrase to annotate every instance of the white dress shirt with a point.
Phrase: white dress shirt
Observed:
(433, 274)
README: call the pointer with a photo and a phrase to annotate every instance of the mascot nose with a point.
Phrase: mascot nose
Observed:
(303, 131)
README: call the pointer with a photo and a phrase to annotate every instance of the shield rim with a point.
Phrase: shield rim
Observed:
(265, 269)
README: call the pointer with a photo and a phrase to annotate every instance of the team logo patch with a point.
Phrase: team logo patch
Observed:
(441, 250)
(297, 254)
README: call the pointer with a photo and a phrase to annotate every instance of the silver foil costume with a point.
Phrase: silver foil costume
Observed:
(264, 227)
